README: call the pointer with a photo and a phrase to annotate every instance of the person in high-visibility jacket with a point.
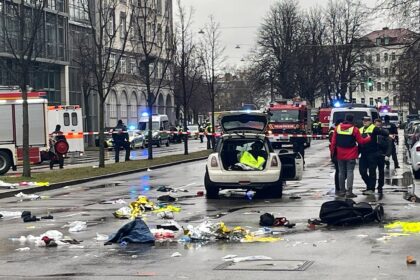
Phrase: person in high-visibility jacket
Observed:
(209, 135)
(344, 147)
(255, 158)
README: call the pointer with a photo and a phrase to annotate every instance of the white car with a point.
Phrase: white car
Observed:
(137, 139)
(415, 159)
(223, 170)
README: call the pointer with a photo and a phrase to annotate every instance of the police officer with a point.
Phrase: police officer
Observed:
(385, 148)
(209, 135)
(201, 131)
(57, 135)
(121, 140)
(299, 142)
(369, 154)
(393, 133)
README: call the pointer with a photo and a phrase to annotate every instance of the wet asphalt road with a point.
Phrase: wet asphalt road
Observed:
(336, 253)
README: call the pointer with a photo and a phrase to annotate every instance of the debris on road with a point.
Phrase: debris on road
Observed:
(134, 232)
(117, 201)
(11, 214)
(176, 254)
(23, 249)
(172, 225)
(163, 234)
(101, 237)
(168, 208)
(405, 227)
(166, 198)
(23, 196)
(411, 260)
(135, 209)
(4, 185)
(164, 189)
(76, 226)
(27, 217)
(246, 259)
(268, 220)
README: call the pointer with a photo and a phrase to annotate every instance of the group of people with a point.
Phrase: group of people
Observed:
(374, 142)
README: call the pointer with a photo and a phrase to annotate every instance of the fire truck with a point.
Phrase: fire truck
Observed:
(42, 122)
(285, 115)
(324, 118)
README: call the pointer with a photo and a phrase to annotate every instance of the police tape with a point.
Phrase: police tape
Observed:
(288, 136)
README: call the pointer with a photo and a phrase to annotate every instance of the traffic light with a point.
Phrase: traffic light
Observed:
(370, 82)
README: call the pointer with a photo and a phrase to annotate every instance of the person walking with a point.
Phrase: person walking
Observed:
(209, 135)
(393, 133)
(55, 156)
(369, 154)
(121, 140)
(299, 142)
(385, 149)
(344, 147)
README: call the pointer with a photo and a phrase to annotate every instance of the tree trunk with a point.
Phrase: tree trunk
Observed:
(150, 132)
(185, 125)
(25, 127)
(101, 129)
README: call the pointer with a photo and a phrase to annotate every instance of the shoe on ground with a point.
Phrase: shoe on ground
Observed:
(397, 167)
(350, 195)
(368, 192)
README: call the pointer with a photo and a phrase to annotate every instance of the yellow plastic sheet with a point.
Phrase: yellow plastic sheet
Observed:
(168, 208)
(406, 227)
(42, 184)
(250, 239)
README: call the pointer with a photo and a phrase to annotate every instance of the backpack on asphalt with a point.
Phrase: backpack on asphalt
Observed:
(348, 212)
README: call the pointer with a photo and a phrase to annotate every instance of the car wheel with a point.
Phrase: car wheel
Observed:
(5, 162)
(416, 174)
(212, 191)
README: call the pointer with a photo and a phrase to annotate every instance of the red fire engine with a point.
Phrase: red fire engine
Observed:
(285, 115)
(324, 118)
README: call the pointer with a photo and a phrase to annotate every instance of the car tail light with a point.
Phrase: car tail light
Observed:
(274, 162)
(418, 149)
(213, 162)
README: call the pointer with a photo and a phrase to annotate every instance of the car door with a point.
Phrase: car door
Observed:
(291, 166)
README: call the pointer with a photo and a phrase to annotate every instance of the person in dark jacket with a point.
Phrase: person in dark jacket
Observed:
(299, 142)
(369, 154)
(334, 157)
(344, 146)
(121, 140)
(55, 157)
(385, 150)
(393, 133)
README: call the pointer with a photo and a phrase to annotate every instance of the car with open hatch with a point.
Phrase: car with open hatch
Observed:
(244, 158)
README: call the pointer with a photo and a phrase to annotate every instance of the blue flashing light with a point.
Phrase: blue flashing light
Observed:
(132, 127)
(248, 111)
(385, 111)
(145, 114)
(337, 104)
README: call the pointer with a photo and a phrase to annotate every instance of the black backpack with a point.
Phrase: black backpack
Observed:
(348, 212)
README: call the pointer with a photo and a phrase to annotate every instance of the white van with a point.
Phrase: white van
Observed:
(357, 110)
(160, 129)
(393, 117)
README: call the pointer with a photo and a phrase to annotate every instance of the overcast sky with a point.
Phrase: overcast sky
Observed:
(239, 20)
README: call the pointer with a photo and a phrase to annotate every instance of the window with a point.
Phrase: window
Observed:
(111, 22)
(386, 41)
(353, 100)
(370, 58)
(159, 6)
(123, 24)
(111, 62)
(362, 100)
(123, 65)
(74, 121)
(123, 105)
(363, 73)
(133, 105)
(386, 72)
(394, 86)
(371, 101)
(362, 88)
(378, 41)
(371, 87)
(378, 86)
(386, 86)
(378, 57)
(393, 57)
(386, 57)
(378, 72)
(66, 117)
(394, 71)
(362, 58)
(112, 105)
(379, 99)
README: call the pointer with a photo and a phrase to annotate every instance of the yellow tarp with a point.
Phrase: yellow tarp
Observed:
(407, 227)
(250, 239)
(168, 208)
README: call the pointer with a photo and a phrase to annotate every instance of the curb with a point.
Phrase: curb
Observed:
(85, 180)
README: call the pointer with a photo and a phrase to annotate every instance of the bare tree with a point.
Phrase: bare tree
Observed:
(404, 12)
(109, 42)
(22, 33)
(187, 66)
(211, 55)
(153, 50)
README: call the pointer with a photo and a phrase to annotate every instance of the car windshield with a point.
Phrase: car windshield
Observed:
(285, 116)
(145, 126)
(357, 117)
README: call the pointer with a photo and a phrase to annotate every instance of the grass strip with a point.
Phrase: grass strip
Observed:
(69, 174)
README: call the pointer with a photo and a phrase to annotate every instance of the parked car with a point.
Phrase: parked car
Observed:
(415, 159)
(160, 127)
(137, 139)
(240, 131)
(108, 143)
(409, 131)
(194, 131)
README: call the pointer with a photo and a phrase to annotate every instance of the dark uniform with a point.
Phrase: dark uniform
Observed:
(393, 130)
(201, 131)
(385, 148)
(299, 144)
(121, 140)
(369, 155)
(55, 157)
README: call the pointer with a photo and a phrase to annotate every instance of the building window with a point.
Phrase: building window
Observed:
(378, 86)
(111, 22)
(123, 65)
(394, 71)
(371, 101)
(159, 6)
(386, 41)
(378, 72)
(393, 57)
(353, 100)
(394, 86)
(386, 72)
(362, 58)
(111, 62)
(133, 105)
(386, 57)
(123, 105)
(378, 57)
(378, 41)
(386, 86)
(123, 24)
(362, 87)
(363, 73)
(362, 100)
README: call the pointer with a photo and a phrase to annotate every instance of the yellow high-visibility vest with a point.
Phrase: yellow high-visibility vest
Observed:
(248, 159)
(348, 131)
(368, 130)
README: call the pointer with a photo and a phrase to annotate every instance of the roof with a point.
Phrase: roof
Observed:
(398, 36)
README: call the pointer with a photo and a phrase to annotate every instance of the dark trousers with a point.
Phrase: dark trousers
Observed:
(381, 171)
(120, 146)
(394, 156)
(367, 169)
(201, 138)
(210, 142)
(336, 176)
(299, 148)
(57, 158)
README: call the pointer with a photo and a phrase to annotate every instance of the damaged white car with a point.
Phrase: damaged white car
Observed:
(244, 158)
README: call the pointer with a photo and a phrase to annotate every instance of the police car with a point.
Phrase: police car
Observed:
(228, 168)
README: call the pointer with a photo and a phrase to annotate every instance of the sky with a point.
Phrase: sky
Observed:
(239, 21)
